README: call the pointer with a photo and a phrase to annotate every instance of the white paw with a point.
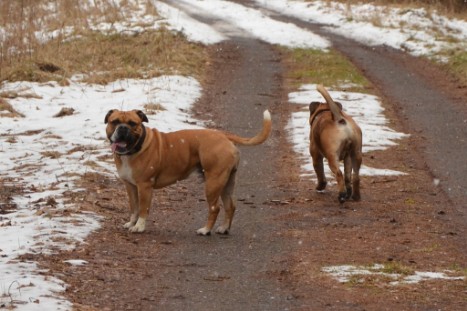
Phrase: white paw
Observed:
(222, 230)
(139, 226)
(129, 224)
(203, 231)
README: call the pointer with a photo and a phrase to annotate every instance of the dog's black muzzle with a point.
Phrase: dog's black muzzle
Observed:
(124, 142)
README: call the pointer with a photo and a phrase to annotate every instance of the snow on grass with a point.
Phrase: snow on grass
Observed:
(366, 111)
(425, 276)
(73, 141)
(413, 30)
(347, 273)
(194, 30)
(134, 18)
(233, 19)
(224, 19)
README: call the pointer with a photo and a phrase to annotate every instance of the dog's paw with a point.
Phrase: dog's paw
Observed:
(139, 226)
(203, 231)
(129, 224)
(342, 197)
(349, 193)
(222, 230)
(136, 229)
(321, 186)
(356, 197)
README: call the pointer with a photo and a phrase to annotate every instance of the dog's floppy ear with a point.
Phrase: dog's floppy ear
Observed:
(107, 116)
(313, 106)
(339, 105)
(141, 114)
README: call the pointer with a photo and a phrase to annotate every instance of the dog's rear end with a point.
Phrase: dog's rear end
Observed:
(336, 136)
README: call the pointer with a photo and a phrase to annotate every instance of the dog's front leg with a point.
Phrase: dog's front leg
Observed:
(134, 205)
(144, 202)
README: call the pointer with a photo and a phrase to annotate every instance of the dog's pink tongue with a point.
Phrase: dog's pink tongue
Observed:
(114, 146)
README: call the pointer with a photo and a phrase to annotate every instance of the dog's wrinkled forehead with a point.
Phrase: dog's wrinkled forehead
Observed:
(128, 117)
(125, 117)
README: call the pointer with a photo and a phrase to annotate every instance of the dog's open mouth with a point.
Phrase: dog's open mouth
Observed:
(118, 146)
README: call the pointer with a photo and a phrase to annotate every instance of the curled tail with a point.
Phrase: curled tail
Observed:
(336, 112)
(258, 138)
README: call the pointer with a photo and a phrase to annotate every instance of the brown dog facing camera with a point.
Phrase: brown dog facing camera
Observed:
(147, 159)
(336, 136)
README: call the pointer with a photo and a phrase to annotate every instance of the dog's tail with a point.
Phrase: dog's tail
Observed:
(258, 138)
(336, 112)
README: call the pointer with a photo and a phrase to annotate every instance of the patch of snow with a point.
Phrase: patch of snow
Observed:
(76, 262)
(75, 140)
(413, 30)
(344, 273)
(232, 19)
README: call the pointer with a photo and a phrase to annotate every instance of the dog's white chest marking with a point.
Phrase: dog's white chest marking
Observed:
(125, 171)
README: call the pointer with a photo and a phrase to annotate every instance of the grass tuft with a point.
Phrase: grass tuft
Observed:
(6, 110)
(319, 67)
(458, 64)
(396, 268)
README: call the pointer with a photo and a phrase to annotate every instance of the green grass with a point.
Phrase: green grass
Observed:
(328, 68)
(458, 65)
(396, 268)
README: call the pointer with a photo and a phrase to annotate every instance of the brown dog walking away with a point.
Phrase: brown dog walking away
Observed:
(336, 136)
(147, 159)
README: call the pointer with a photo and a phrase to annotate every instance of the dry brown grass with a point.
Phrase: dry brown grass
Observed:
(6, 110)
(104, 58)
(99, 57)
(153, 108)
(456, 8)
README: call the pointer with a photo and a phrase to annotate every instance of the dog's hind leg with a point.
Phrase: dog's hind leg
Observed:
(215, 183)
(348, 176)
(356, 163)
(334, 166)
(319, 170)
(229, 204)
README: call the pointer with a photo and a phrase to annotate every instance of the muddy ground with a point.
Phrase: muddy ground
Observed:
(284, 232)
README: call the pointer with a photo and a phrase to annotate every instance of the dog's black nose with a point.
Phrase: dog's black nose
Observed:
(123, 130)
(123, 133)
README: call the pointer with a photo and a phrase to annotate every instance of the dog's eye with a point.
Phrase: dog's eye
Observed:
(132, 124)
(115, 122)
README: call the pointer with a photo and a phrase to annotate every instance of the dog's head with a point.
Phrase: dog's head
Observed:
(125, 130)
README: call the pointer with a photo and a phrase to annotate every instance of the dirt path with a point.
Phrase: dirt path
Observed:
(284, 233)
(169, 267)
